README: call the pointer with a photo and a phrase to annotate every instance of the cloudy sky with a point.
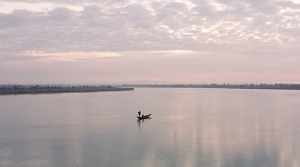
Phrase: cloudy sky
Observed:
(153, 41)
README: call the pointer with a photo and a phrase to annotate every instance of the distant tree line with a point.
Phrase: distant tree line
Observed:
(38, 89)
(228, 86)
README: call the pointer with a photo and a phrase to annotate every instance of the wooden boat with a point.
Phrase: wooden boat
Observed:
(144, 117)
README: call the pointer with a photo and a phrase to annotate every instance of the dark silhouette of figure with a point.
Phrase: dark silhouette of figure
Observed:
(139, 113)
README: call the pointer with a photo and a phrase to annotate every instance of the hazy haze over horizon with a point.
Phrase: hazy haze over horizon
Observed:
(155, 41)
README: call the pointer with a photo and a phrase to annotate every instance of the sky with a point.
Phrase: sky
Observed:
(153, 41)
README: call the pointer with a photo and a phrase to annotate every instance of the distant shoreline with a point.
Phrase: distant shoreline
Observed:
(51, 89)
(48, 89)
(224, 86)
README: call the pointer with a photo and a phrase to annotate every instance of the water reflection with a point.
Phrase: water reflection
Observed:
(237, 131)
(139, 121)
(192, 127)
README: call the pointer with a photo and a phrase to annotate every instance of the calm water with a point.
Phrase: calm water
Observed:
(189, 128)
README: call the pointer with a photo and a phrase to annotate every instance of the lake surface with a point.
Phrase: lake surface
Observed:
(189, 128)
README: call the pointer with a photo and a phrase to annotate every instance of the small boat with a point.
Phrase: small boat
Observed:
(144, 117)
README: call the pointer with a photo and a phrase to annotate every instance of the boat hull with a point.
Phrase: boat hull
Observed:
(145, 116)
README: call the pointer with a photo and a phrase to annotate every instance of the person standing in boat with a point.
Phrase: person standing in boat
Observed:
(139, 113)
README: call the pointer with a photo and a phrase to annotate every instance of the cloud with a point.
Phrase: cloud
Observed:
(17, 58)
(61, 14)
(71, 29)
